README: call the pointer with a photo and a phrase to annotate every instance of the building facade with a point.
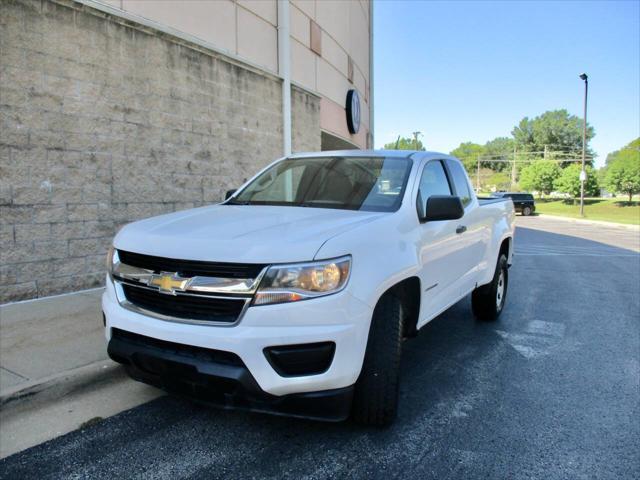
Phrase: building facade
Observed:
(117, 110)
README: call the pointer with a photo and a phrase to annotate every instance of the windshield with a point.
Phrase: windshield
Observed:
(348, 183)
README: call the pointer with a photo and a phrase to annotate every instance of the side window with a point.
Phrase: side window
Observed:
(432, 182)
(460, 182)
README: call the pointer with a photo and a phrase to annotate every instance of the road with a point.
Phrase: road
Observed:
(551, 390)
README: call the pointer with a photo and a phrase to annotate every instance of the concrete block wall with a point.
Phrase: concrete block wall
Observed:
(103, 122)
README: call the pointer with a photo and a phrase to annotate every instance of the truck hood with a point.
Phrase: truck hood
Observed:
(240, 233)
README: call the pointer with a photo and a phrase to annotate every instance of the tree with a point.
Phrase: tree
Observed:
(500, 148)
(539, 176)
(601, 174)
(556, 129)
(569, 181)
(499, 180)
(633, 146)
(623, 171)
(404, 143)
(468, 153)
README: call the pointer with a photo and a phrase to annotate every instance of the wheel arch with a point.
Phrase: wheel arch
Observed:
(407, 291)
(506, 247)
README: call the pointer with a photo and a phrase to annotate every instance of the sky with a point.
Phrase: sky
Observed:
(462, 71)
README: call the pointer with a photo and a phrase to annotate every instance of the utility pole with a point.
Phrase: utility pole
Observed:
(545, 152)
(513, 169)
(415, 140)
(583, 173)
(478, 176)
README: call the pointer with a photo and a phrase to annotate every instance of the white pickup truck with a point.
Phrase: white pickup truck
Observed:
(295, 294)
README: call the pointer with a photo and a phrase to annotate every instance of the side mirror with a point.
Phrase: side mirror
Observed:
(229, 193)
(442, 207)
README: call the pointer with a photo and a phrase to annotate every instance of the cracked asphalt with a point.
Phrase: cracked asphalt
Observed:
(551, 390)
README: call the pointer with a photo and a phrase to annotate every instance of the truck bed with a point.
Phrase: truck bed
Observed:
(489, 200)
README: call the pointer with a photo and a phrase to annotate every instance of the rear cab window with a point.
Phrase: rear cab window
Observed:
(460, 182)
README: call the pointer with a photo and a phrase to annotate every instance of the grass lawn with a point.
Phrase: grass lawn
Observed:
(608, 210)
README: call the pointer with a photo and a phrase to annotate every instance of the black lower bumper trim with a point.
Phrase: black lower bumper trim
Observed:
(218, 378)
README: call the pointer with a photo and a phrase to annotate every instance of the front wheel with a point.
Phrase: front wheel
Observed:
(488, 301)
(526, 211)
(375, 401)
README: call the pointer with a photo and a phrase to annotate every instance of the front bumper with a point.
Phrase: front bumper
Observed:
(218, 378)
(340, 318)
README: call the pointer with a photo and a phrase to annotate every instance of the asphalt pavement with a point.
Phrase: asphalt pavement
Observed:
(551, 390)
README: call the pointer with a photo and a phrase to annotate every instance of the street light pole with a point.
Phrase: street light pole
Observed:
(583, 173)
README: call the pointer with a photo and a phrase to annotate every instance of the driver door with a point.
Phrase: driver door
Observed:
(441, 249)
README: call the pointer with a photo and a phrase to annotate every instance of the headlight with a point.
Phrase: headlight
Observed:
(110, 254)
(300, 281)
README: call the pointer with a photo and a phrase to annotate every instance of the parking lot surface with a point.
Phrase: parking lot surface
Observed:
(551, 390)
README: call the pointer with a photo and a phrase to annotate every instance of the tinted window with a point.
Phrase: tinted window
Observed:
(460, 182)
(433, 181)
(349, 183)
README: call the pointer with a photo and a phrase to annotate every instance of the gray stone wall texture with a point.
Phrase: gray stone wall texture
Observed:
(103, 122)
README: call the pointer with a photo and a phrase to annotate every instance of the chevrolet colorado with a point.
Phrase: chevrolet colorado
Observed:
(295, 294)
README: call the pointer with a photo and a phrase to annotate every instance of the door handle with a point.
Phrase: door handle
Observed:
(461, 229)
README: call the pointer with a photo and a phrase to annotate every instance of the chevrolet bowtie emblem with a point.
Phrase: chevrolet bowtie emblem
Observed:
(169, 282)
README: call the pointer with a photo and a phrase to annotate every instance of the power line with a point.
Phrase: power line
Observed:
(506, 160)
(503, 159)
(549, 154)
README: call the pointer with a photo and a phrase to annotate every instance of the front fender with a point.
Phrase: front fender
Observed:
(383, 254)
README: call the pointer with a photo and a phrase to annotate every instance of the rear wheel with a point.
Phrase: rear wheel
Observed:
(526, 211)
(375, 400)
(488, 301)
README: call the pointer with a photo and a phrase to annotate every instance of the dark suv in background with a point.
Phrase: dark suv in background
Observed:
(522, 202)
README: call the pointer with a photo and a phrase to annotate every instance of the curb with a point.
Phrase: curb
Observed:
(60, 384)
(590, 222)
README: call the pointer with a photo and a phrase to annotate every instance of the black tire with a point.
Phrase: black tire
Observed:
(375, 400)
(526, 211)
(488, 300)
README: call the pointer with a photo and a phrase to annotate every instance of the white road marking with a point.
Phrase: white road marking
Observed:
(546, 328)
(538, 339)
(566, 250)
(573, 255)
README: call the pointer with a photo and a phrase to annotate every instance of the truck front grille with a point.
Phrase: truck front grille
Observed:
(191, 268)
(186, 306)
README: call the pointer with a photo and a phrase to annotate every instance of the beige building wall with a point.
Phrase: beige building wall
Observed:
(104, 121)
(337, 62)
(344, 38)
